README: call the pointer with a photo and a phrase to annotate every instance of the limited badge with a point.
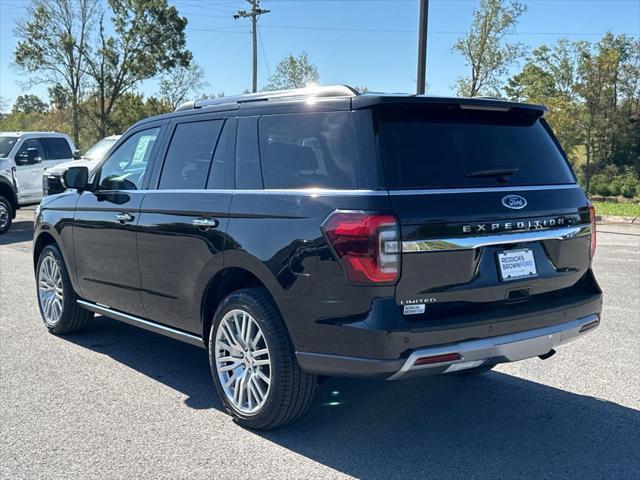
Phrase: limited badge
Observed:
(414, 309)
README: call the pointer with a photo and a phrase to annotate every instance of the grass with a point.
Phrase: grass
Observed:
(619, 209)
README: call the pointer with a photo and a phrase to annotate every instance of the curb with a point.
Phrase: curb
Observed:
(617, 219)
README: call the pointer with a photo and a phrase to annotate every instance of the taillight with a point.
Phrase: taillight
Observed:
(366, 244)
(592, 217)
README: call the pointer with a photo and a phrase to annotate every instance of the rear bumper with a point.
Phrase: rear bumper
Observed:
(462, 355)
(505, 348)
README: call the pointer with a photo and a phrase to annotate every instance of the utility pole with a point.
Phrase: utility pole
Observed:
(422, 46)
(254, 13)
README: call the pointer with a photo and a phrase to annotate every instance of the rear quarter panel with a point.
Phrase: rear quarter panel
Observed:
(277, 236)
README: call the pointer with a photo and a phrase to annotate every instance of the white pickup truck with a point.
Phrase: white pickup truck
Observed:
(23, 158)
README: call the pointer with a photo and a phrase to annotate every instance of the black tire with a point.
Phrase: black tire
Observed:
(6, 214)
(72, 318)
(291, 390)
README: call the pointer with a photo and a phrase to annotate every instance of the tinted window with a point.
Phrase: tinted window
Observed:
(6, 145)
(31, 143)
(221, 175)
(307, 150)
(125, 168)
(446, 147)
(247, 157)
(57, 148)
(189, 155)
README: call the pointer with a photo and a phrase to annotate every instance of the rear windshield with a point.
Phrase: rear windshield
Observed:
(448, 147)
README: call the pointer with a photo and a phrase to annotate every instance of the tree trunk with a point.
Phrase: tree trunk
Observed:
(102, 126)
(75, 120)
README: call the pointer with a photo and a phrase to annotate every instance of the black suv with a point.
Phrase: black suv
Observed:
(313, 233)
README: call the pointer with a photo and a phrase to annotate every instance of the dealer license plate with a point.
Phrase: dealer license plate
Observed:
(517, 264)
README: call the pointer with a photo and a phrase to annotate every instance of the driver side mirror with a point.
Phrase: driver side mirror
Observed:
(76, 177)
(76, 154)
(31, 157)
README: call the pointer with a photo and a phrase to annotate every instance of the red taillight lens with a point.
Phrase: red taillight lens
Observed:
(592, 217)
(366, 244)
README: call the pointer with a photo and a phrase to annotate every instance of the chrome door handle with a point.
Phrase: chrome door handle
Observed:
(205, 223)
(124, 217)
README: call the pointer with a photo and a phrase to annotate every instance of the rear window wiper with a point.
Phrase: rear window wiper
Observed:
(493, 172)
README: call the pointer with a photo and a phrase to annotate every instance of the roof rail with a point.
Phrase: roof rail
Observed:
(320, 91)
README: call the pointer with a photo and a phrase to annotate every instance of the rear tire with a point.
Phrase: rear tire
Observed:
(57, 300)
(6, 214)
(253, 363)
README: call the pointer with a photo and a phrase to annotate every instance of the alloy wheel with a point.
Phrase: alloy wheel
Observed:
(243, 361)
(50, 290)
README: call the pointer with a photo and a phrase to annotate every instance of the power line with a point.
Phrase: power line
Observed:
(253, 14)
(264, 54)
(380, 30)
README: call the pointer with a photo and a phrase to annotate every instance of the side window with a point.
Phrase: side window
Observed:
(221, 176)
(31, 151)
(305, 150)
(57, 148)
(186, 165)
(125, 168)
(248, 174)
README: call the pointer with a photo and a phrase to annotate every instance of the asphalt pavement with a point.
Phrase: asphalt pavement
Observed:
(119, 402)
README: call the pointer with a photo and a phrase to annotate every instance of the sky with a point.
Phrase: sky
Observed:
(360, 43)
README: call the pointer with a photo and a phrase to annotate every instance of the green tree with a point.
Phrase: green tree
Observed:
(599, 85)
(59, 97)
(293, 72)
(52, 46)
(485, 49)
(180, 82)
(593, 93)
(132, 107)
(549, 77)
(30, 104)
(148, 38)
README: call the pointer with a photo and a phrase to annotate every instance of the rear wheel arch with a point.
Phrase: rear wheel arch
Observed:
(222, 284)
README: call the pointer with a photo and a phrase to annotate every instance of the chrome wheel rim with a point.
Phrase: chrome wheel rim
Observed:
(4, 215)
(243, 361)
(50, 292)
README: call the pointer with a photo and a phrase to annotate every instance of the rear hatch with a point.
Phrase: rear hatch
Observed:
(490, 213)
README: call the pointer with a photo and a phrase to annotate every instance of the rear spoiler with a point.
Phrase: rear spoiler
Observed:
(471, 103)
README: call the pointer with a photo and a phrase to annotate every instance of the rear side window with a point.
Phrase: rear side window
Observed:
(57, 148)
(448, 147)
(186, 165)
(306, 150)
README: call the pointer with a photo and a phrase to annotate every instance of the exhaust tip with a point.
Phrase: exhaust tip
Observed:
(549, 354)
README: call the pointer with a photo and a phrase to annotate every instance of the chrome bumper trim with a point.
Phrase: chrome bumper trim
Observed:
(145, 324)
(504, 348)
(469, 243)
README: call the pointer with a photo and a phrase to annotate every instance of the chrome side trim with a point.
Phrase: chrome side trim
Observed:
(504, 348)
(528, 188)
(145, 324)
(471, 242)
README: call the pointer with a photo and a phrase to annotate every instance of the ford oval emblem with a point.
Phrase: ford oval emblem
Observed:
(515, 202)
